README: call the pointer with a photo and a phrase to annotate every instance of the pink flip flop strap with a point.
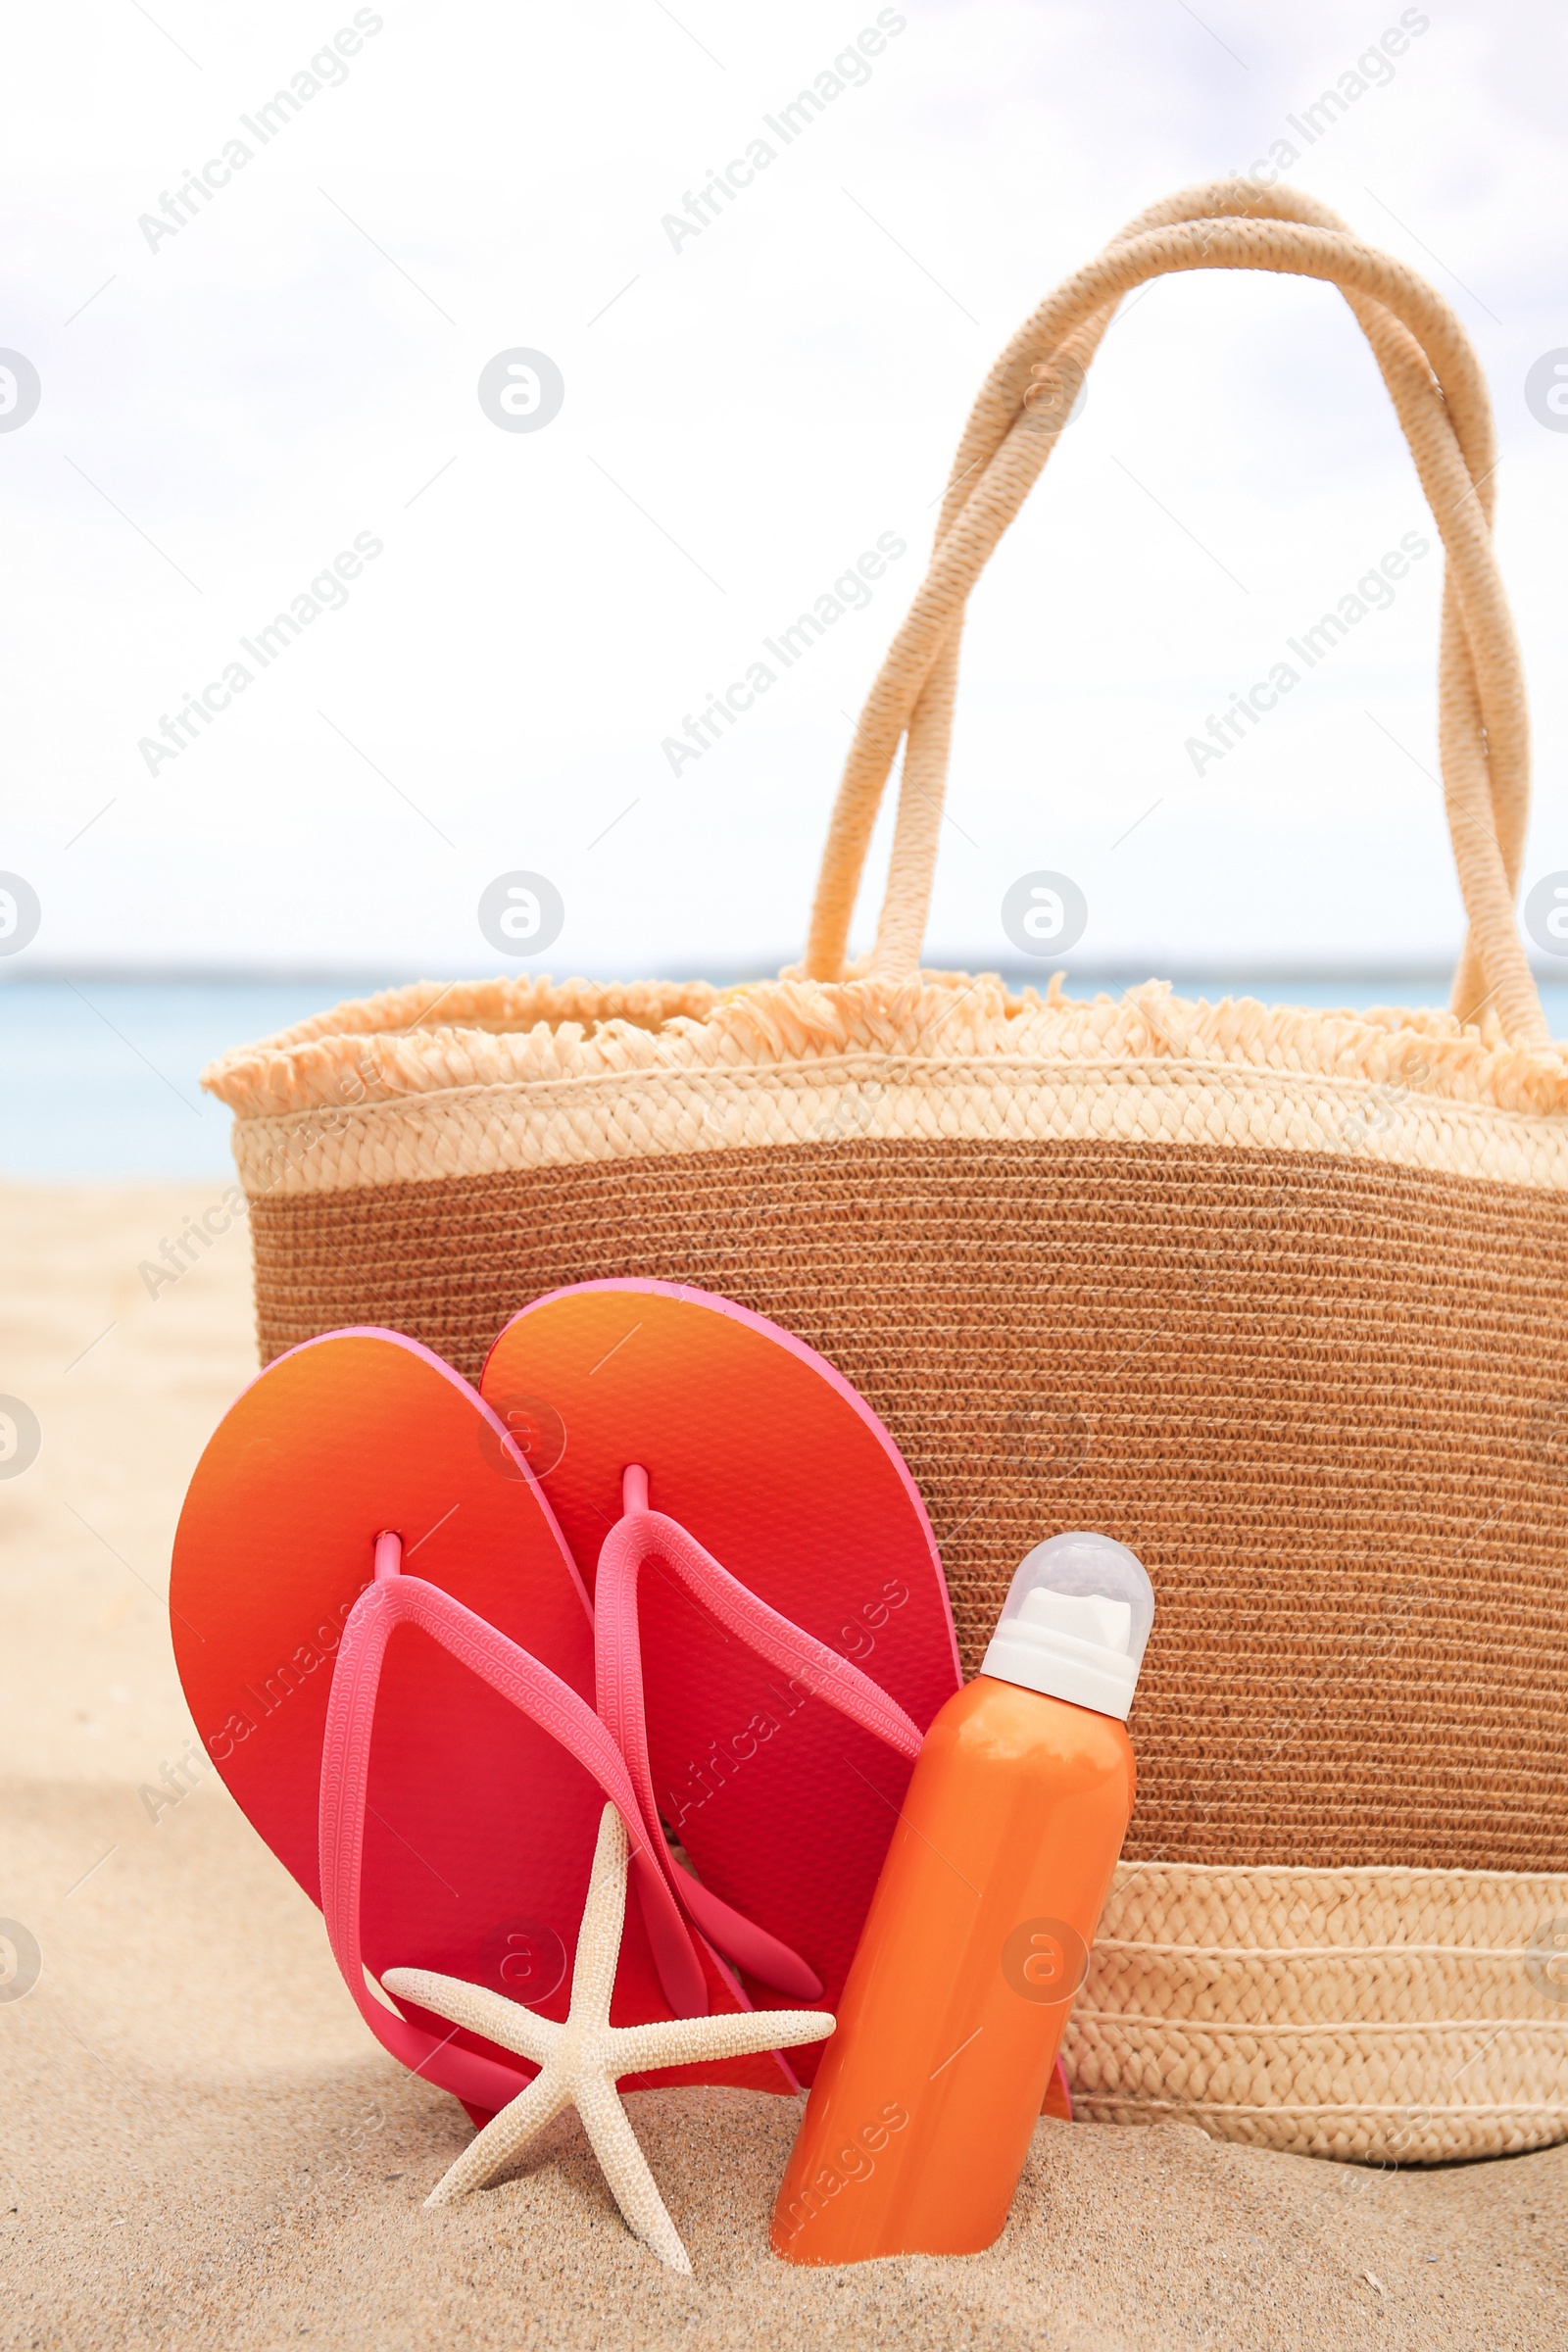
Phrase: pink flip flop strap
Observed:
(394, 1600)
(642, 1534)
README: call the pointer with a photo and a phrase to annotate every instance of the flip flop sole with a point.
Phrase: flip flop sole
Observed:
(479, 1827)
(767, 1455)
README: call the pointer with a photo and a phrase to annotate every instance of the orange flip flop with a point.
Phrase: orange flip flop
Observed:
(388, 1654)
(771, 1623)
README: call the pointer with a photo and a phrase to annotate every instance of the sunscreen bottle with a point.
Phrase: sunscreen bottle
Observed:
(977, 1940)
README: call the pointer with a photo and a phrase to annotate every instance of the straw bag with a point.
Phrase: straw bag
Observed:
(1275, 1297)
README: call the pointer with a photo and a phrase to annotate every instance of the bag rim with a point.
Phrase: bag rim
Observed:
(531, 1030)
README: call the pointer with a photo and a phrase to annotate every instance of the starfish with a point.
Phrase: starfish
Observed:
(581, 2061)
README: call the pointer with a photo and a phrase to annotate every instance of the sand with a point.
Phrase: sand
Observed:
(202, 2147)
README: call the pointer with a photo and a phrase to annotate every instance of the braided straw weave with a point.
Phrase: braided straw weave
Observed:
(1222, 1996)
(1275, 1297)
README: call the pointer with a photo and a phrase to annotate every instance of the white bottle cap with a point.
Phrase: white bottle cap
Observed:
(1075, 1623)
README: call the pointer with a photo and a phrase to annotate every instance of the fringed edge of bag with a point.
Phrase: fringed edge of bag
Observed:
(430, 1037)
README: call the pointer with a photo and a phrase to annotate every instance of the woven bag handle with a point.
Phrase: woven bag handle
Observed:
(1434, 381)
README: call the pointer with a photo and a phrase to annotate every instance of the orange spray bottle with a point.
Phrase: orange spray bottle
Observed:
(977, 1938)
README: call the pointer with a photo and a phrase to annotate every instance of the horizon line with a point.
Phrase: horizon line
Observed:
(364, 978)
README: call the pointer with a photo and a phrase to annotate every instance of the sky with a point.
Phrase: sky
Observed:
(301, 377)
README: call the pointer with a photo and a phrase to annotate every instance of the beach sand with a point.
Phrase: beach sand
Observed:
(201, 2145)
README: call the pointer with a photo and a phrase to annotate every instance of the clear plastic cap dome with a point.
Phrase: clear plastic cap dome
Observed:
(1076, 1621)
